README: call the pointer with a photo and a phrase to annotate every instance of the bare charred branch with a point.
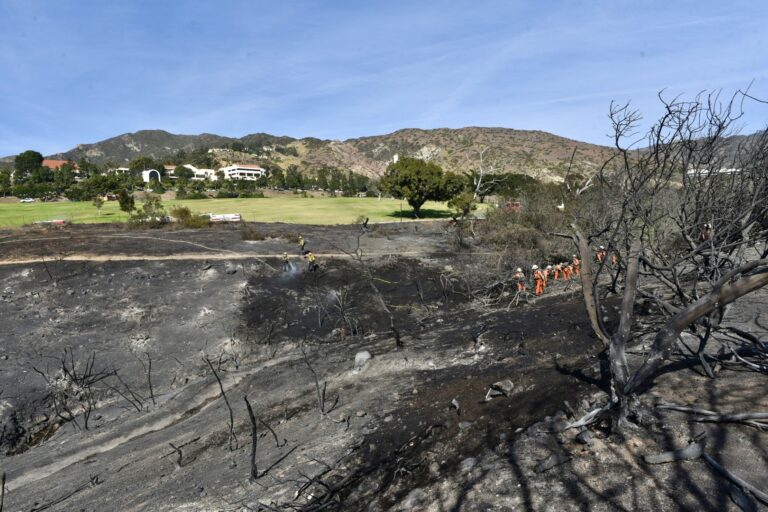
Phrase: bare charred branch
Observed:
(232, 436)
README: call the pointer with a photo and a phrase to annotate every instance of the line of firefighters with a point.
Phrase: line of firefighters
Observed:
(564, 271)
(312, 265)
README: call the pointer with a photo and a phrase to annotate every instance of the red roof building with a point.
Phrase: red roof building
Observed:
(54, 164)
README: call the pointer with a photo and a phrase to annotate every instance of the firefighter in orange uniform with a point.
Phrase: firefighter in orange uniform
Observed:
(576, 266)
(567, 270)
(539, 279)
(520, 277)
(600, 254)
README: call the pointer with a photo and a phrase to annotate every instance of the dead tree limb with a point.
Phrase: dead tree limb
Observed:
(232, 435)
(690, 452)
(254, 439)
(178, 452)
(733, 285)
(320, 393)
(760, 495)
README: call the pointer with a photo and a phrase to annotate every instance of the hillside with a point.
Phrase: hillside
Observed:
(536, 153)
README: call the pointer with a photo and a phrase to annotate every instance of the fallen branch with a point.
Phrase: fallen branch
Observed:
(705, 415)
(760, 495)
(693, 451)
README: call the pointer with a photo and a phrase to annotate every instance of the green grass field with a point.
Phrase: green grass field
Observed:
(297, 210)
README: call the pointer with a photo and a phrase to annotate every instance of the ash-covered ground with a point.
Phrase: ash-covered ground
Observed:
(116, 344)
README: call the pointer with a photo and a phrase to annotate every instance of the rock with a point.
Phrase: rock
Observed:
(502, 387)
(417, 499)
(584, 437)
(4, 357)
(455, 405)
(360, 414)
(231, 270)
(468, 464)
(361, 358)
(464, 425)
(389, 419)
(552, 461)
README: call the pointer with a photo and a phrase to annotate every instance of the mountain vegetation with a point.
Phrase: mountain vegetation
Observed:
(538, 154)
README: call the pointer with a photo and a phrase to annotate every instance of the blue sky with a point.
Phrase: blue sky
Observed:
(79, 71)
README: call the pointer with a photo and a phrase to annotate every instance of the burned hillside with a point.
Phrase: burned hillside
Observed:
(164, 342)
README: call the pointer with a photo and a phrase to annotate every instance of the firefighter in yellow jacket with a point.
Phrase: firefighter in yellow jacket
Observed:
(311, 258)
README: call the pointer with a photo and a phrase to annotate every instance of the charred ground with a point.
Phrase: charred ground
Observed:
(388, 435)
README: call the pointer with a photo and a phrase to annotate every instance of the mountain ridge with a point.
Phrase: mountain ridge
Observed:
(533, 152)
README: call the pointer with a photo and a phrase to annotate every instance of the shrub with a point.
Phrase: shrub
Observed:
(151, 214)
(186, 218)
(251, 233)
(256, 194)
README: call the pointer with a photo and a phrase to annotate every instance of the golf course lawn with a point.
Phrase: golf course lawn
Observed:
(298, 210)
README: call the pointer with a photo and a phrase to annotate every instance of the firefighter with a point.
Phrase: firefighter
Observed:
(576, 266)
(538, 277)
(567, 270)
(286, 263)
(600, 254)
(547, 274)
(302, 243)
(311, 258)
(520, 277)
(614, 259)
(558, 271)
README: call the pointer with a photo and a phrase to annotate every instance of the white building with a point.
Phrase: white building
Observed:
(243, 172)
(202, 174)
(197, 174)
(150, 174)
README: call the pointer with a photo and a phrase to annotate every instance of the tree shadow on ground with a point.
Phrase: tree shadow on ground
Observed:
(423, 214)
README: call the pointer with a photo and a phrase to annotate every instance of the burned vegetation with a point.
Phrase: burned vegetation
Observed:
(411, 370)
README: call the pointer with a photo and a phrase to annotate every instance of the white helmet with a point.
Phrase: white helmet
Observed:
(518, 269)
(534, 267)
(549, 267)
(602, 247)
(707, 225)
(574, 256)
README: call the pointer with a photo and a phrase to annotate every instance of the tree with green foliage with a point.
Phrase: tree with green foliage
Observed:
(88, 169)
(25, 164)
(201, 158)
(277, 178)
(293, 178)
(418, 181)
(64, 177)
(140, 164)
(463, 204)
(184, 174)
(126, 201)
(151, 213)
(5, 182)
